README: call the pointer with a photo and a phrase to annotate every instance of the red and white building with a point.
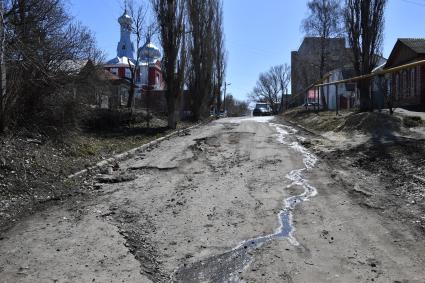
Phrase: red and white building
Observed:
(149, 73)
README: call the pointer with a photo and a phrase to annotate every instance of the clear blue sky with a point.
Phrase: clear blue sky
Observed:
(259, 34)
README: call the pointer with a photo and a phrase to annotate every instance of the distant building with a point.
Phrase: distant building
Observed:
(407, 87)
(148, 73)
(305, 63)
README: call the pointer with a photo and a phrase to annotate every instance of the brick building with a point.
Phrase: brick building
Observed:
(148, 74)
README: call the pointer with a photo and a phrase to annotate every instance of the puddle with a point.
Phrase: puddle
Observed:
(227, 267)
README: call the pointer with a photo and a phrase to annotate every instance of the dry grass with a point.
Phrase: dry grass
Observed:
(346, 121)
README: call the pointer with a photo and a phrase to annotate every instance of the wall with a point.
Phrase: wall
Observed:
(404, 92)
(305, 62)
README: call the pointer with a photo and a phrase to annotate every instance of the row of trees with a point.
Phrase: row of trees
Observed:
(235, 107)
(272, 87)
(362, 24)
(192, 38)
(39, 40)
(40, 43)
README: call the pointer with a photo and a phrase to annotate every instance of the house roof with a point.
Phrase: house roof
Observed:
(348, 71)
(102, 74)
(73, 66)
(119, 61)
(106, 75)
(416, 44)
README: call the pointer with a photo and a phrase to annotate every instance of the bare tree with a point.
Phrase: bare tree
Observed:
(41, 47)
(324, 22)
(201, 17)
(283, 74)
(364, 20)
(3, 93)
(170, 15)
(138, 15)
(235, 107)
(268, 88)
(220, 53)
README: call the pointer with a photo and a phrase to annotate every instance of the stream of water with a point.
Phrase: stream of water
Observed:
(227, 266)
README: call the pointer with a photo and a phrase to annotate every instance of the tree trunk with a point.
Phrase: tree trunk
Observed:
(197, 107)
(365, 104)
(281, 103)
(323, 98)
(171, 106)
(218, 102)
(323, 55)
(3, 93)
(130, 102)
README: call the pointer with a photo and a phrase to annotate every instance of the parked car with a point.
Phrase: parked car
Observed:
(262, 109)
(312, 105)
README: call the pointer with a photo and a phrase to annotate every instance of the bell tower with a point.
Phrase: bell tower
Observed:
(125, 46)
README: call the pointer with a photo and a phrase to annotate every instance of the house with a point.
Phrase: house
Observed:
(99, 88)
(407, 86)
(305, 63)
(347, 94)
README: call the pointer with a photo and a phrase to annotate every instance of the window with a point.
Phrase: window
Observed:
(114, 71)
(123, 47)
(127, 73)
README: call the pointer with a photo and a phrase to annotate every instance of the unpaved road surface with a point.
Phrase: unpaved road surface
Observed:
(237, 200)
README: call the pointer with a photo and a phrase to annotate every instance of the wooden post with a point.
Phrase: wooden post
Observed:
(336, 99)
(318, 98)
(316, 107)
(327, 95)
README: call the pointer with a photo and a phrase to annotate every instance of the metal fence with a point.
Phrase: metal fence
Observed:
(386, 89)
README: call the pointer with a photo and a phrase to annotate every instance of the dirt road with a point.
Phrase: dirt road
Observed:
(238, 200)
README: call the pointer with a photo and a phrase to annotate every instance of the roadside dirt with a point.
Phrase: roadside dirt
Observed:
(34, 167)
(379, 151)
(201, 209)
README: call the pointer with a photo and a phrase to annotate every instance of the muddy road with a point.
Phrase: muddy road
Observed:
(238, 200)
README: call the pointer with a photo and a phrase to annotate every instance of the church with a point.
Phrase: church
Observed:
(148, 69)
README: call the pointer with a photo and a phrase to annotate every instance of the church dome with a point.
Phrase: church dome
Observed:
(149, 52)
(125, 19)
